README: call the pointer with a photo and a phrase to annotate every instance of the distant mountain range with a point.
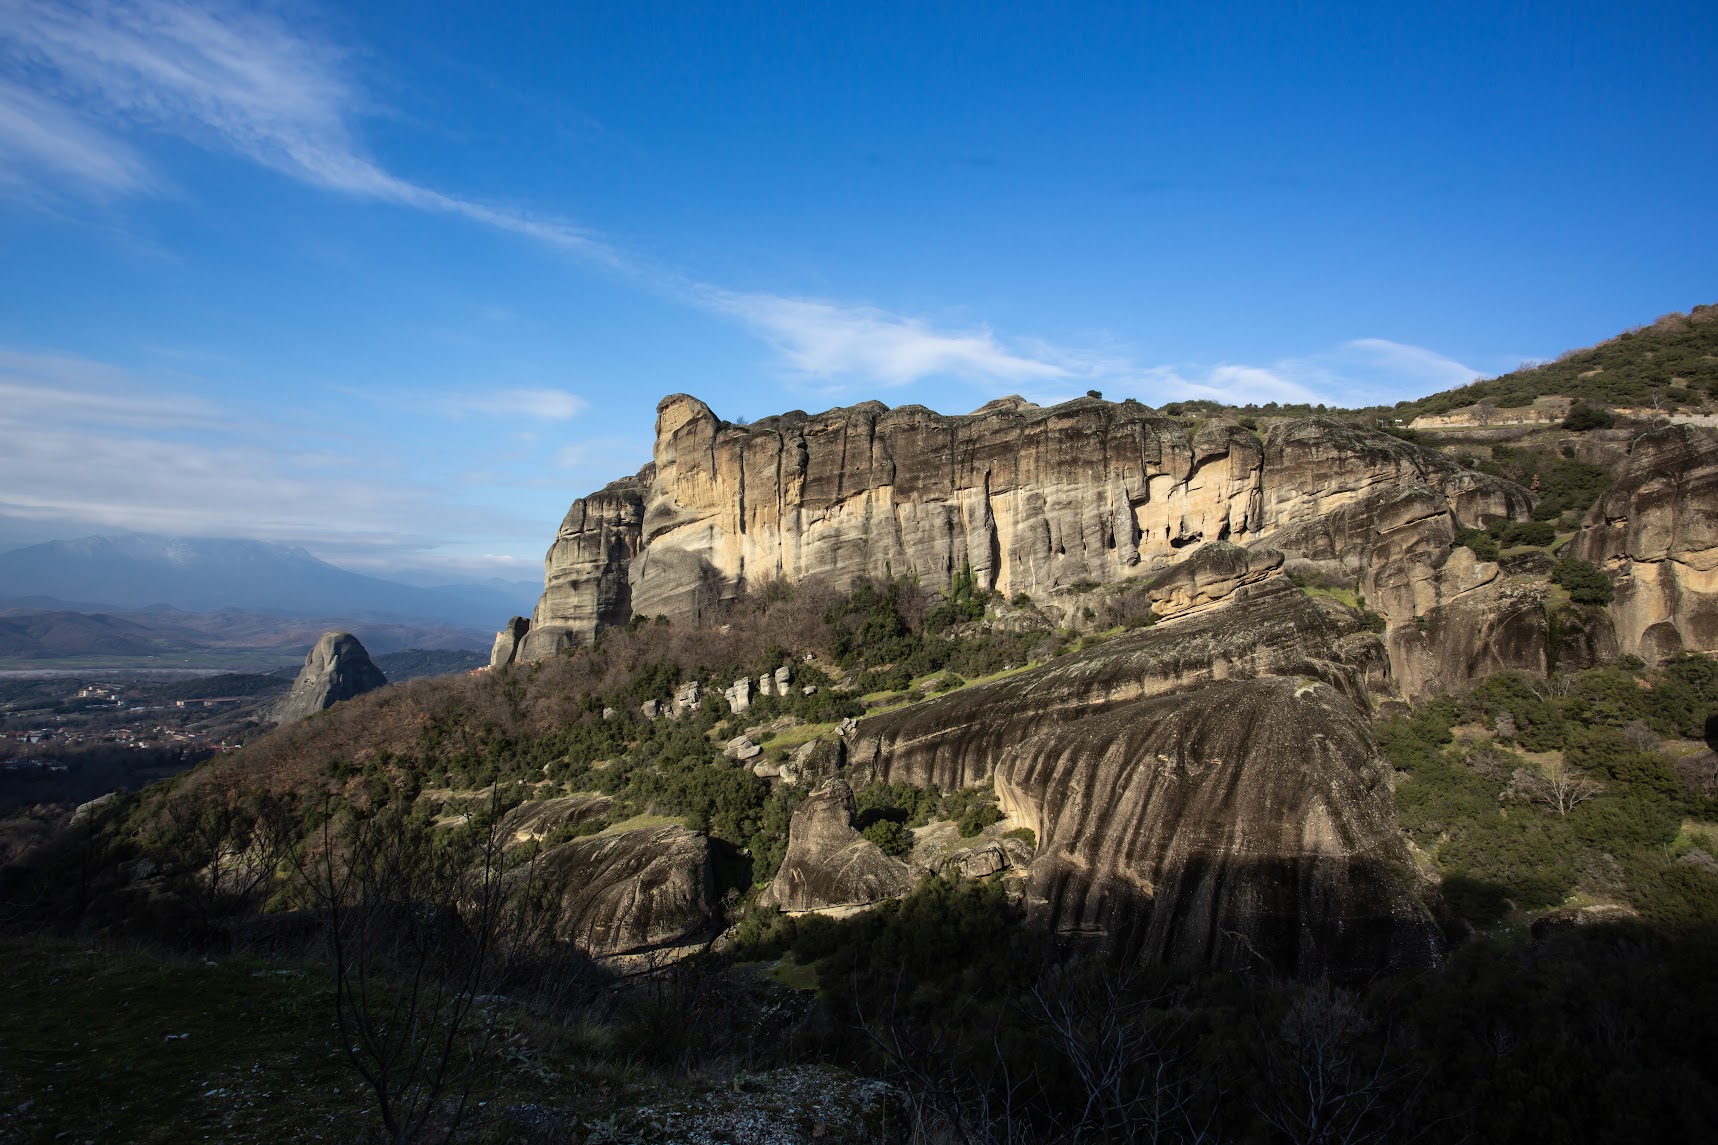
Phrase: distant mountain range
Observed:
(204, 574)
(228, 638)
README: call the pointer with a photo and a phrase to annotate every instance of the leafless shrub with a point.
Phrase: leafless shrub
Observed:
(1334, 1075)
(421, 931)
(1557, 789)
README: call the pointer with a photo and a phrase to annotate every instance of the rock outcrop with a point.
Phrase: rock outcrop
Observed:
(508, 642)
(1656, 533)
(828, 863)
(1032, 500)
(537, 819)
(1205, 792)
(337, 668)
(632, 893)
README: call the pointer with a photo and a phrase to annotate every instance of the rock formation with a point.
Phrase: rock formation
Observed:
(1032, 500)
(508, 642)
(1204, 792)
(1656, 532)
(536, 819)
(828, 863)
(632, 893)
(336, 669)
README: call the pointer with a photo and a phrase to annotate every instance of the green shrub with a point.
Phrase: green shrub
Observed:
(1481, 542)
(1583, 417)
(892, 838)
(1535, 533)
(1586, 582)
(976, 818)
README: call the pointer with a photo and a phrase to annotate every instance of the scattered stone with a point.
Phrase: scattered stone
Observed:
(739, 696)
(809, 690)
(686, 699)
(609, 713)
(651, 709)
(742, 748)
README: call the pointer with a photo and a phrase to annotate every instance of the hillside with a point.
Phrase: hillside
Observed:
(27, 634)
(1670, 364)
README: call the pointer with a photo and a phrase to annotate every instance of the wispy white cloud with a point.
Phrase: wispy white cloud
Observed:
(538, 404)
(1360, 372)
(224, 77)
(37, 134)
(830, 342)
(53, 389)
(241, 80)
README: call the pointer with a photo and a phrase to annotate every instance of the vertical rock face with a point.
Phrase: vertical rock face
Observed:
(508, 642)
(1656, 532)
(338, 668)
(585, 583)
(1032, 499)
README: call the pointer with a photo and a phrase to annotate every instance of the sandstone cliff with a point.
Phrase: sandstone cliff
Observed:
(1656, 532)
(1033, 500)
(337, 668)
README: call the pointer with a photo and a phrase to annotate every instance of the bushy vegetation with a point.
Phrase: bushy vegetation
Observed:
(1564, 487)
(1585, 582)
(1564, 789)
(1672, 362)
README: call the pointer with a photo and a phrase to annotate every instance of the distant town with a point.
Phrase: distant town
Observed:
(60, 738)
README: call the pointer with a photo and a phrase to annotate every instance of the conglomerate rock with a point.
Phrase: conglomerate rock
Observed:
(828, 863)
(337, 668)
(631, 893)
(1203, 792)
(1242, 821)
(1656, 532)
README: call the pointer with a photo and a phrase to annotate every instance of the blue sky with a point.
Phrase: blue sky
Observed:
(398, 281)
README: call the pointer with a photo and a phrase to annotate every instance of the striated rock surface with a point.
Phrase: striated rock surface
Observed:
(1033, 499)
(828, 863)
(1656, 532)
(632, 893)
(1205, 792)
(337, 668)
(537, 819)
(1211, 574)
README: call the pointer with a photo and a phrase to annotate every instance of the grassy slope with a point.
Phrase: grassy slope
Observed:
(1632, 369)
